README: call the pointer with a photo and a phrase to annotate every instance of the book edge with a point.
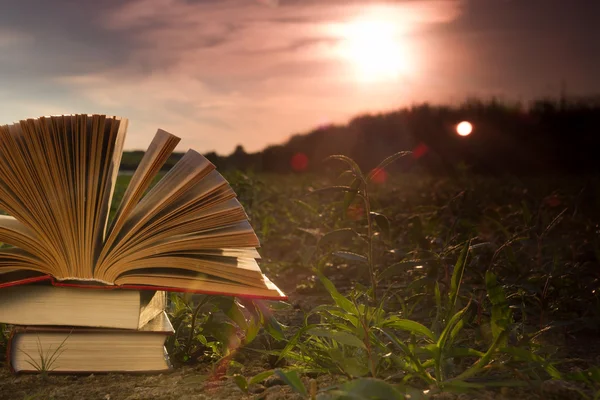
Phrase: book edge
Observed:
(59, 283)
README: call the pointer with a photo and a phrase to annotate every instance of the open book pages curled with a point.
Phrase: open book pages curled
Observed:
(187, 232)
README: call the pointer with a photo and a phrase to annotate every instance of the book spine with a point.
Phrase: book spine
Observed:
(72, 278)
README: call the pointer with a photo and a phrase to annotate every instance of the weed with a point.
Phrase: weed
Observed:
(45, 362)
(372, 334)
(214, 328)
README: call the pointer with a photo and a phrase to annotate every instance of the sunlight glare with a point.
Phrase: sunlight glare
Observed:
(374, 48)
(464, 128)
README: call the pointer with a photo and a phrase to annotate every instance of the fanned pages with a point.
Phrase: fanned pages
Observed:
(186, 233)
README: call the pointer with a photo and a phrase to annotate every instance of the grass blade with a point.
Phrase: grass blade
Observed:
(409, 326)
(292, 379)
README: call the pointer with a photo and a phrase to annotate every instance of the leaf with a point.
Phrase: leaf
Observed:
(251, 332)
(260, 377)
(482, 362)
(306, 206)
(501, 314)
(457, 275)
(338, 235)
(463, 352)
(352, 366)
(400, 267)
(264, 313)
(347, 255)
(202, 339)
(336, 188)
(346, 173)
(382, 222)
(316, 233)
(409, 326)
(292, 379)
(353, 165)
(342, 337)
(435, 325)
(370, 388)
(528, 356)
(340, 300)
(448, 329)
(241, 382)
(336, 312)
(554, 222)
(350, 196)
(293, 341)
(416, 363)
(387, 161)
(236, 315)
(455, 331)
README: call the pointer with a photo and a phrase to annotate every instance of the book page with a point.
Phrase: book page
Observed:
(241, 270)
(186, 173)
(154, 158)
(57, 175)
(221, 214)
(178, 280)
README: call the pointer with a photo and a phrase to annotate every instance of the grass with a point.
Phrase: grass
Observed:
(45, 362)
(434, 284)
(448, 284)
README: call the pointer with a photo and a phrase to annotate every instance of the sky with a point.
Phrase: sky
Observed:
(219, 73)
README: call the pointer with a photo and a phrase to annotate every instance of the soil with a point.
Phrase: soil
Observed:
(198, 383)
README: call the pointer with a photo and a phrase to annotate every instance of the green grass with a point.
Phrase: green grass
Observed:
(434, 284)
(412, 310)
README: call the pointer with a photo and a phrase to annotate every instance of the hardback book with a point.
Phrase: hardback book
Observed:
(41, 304)
(187, 232)
(90, 350)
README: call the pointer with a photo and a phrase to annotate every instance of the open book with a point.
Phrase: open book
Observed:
(188, 232)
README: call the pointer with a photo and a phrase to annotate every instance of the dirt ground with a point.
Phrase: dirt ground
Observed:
(196, 382)
(189, 384)
(183, 383)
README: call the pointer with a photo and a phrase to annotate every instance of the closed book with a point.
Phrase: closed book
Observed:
(39, 349)
(43, 304)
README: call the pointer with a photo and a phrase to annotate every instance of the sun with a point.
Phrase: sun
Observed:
(373, 45)
(464, 128)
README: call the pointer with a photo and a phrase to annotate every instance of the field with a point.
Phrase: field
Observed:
(400, 286)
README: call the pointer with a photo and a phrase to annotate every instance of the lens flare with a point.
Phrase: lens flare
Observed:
(379, 175)
(299, 162)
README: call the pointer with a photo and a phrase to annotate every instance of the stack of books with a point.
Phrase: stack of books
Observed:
(64, 329)
(85, 286)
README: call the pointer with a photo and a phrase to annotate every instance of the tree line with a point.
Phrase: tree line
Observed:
(546, 137)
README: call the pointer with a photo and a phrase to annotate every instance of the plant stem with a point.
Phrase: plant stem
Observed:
(370, 241)
(193, 325)
(368, 346)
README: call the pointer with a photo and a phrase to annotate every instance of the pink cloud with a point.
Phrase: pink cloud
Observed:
(229, 72)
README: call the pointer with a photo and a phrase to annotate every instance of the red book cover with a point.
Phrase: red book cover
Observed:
(32, 277)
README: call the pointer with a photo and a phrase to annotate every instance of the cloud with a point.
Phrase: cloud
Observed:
(217, 73)
(228, 72)
(13, 38)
